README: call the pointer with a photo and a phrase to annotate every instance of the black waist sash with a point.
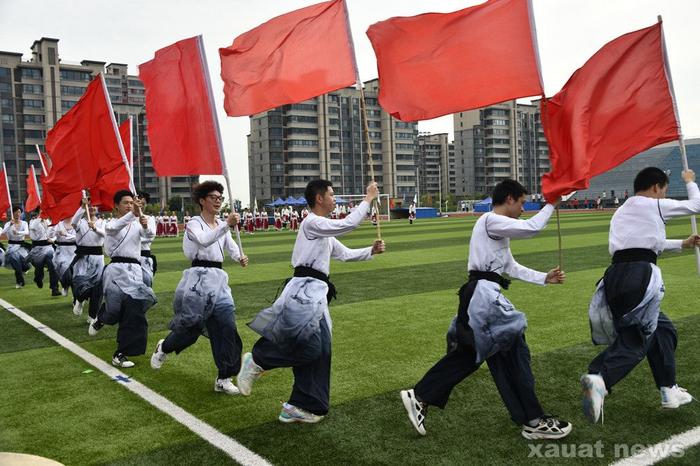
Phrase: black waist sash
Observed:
(147, 253)
(302, 271)
(490, 276)
(65, 243)
(15, 241)
(209, 264)
(88, 250)
(41, 242)
(124, 260)
(634, 255)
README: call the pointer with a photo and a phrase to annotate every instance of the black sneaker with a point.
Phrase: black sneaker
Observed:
(55, 292)
(39, 282)
(119, 360)
(549, 428)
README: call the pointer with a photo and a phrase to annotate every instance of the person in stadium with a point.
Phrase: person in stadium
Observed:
(149, 261)
(625, 312)
(487, 327)
(203, 302)
(296, 330)
(17, 249)
(41, 254)
(65, 253)
(88, 264)
(411, 213)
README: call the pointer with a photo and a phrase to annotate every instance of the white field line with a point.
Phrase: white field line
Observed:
(673, 446)
(221, 441)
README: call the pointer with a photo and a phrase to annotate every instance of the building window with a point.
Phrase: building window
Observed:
(72, 75)
(72, 90)
(4, 72)
(67, 104)
(31, 73)
(33, 103)
(8, 118)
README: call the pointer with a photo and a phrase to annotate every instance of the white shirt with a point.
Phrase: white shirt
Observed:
(489, 247)
(209, 244)
(16, 233)
(39, 230)
(641, 221)
(124, 236)
(64, 234)
(316, 243)
(84, 235)
(147, 240)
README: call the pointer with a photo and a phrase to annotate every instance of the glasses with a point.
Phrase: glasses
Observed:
(215, 198)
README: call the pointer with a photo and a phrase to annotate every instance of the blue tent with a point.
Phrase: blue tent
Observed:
(340, 200)
(276, 203)
(301, 201)
(483, 205)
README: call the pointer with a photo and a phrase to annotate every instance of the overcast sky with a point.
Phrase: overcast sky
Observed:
(130, 31)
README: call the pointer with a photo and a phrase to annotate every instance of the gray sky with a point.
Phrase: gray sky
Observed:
(130, 31)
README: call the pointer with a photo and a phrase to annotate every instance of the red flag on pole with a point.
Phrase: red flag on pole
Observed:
(615, 106)
(5, 200)
(33, 198)
(290, 58)
(182, 131)
(84, 145)
(125, 135)
(438, 63)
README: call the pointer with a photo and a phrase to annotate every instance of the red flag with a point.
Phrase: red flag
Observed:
(125, 135)
(438, 63)
(614, 107)
(57, 211)
(33, 198)
(291, 58)
(5, 201)
(182, 130)
(84, 144)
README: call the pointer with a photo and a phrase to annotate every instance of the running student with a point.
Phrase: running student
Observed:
(488, 327)
(625, 311)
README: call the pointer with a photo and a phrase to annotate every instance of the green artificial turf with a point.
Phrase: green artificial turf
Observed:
(389, 326)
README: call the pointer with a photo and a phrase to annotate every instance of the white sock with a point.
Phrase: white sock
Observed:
(534, 422)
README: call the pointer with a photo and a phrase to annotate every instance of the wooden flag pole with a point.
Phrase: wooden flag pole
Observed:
(205, 68)
(681, 141)
(561, 261)
(7, 187)
(132, 188)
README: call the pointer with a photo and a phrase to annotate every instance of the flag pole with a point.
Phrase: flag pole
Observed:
(363, 106)
(559, 240)
(41, 161)
(681, 141)
(132, 188)
(205, 68)
(7, 187)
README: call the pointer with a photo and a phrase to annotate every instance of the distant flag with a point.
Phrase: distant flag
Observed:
(291, 58)
(439, 63)
(615, 106)
(415, 198)
(5, 199)
(182, 127)
(33, 197)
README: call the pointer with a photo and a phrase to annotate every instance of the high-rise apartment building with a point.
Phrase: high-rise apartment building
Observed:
(34, 94)
(324, 137)
(435, 160)
(501, 141)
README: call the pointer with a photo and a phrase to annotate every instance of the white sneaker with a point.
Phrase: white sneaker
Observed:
(226, 386)
(94, 327)
(548, 428)
(78, 308)
(673, 397)
(594, 393)
(64, 292)
(89, 320)
(291, 413)
(415, 409)
(18, 286)
(122, 361)
(249, 373)
(158, 357)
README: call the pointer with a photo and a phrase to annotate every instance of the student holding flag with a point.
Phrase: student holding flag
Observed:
(296, 330)
(203, 302)
(149, 262)
(126, 296)
(17, 249)
(625, 311)
(65, 253)
(41, 254)
(88, 264)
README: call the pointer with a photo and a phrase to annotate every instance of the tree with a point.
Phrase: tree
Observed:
(175, 204)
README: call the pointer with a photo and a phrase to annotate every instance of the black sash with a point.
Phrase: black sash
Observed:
(124, 260)
(88, 250)
(41, 242)
(24, 244)
(65, 243)
(147, 253)
(490, 276)
(209, 264)
(301, 271)
(634, 255)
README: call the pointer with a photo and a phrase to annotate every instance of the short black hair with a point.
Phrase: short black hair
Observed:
(202, 190)
(507, 188)
(649, 177)
(144, 195)
(316, 187)
(122, 193)
(16, 208)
